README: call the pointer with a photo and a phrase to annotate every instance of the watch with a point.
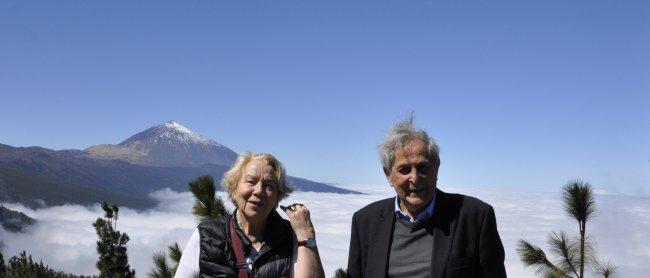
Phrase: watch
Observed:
(310, 242)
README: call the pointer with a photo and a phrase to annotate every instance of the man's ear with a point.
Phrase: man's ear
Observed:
(387, 173)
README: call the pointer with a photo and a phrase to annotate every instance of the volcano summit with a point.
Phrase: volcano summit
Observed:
(168, 144)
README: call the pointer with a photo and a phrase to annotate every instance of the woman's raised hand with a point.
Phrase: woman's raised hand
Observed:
(300, 221)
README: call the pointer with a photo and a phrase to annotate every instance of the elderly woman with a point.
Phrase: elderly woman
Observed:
(254, 241)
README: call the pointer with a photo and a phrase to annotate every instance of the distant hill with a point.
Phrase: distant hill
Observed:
(77, 168)
(14, 221)
(37, 176)
(39, 190)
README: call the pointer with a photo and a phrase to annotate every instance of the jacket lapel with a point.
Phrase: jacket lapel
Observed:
(379, 246)
(444, 227)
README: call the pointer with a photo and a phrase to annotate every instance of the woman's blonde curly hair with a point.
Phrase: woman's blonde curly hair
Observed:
(233, 176)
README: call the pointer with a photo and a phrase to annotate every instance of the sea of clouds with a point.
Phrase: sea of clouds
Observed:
(65, 239)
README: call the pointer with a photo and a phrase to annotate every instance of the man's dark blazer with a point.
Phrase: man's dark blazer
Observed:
(465, 239)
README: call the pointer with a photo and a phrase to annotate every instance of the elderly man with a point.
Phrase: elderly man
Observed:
(422, 232)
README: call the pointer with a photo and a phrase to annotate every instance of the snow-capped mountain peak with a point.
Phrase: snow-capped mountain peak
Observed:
(168, 144)
(173, 125)
(170, 133)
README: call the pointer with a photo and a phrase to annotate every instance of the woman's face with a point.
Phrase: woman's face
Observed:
(257, 191)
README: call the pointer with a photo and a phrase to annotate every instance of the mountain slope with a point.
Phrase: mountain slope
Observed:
(14, 221)
(37, 190)
(76, 168)
(168, 144)
(37, 176)
(164, 156)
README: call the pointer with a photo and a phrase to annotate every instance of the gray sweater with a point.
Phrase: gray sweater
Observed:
(410, 250)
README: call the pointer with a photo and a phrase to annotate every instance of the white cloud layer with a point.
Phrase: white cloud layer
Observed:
(65, 239)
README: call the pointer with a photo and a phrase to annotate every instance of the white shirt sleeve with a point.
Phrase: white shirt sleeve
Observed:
(188, 267)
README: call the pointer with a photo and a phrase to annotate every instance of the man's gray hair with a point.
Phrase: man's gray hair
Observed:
(401, 133)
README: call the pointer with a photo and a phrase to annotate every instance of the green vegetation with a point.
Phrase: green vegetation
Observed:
(573, 256)
(162, 267)
(24, 266)
(340, 273)
(113, 260)
(3, 268)
(207, 205)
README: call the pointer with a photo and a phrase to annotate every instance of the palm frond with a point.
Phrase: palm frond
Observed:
(566, 250)
(533, 256)
(578, 200)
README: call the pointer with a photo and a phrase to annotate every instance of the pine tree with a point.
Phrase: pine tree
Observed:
(113, 259)
(3, 268)
(23, 266)
(573, 256)
(207, 205)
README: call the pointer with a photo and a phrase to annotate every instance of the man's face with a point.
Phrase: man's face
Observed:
(413, 176)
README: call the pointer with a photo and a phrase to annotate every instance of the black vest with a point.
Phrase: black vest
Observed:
(217, 258)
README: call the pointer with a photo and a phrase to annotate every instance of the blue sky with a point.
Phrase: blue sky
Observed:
(519, 94)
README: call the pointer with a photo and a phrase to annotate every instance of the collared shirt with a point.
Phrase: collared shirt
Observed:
(424, 215)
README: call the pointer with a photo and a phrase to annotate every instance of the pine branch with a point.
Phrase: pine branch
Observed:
(161, 269)
(605, 269)
(533, 256)
(175, 252)
(564, 249)
(579, 203)
(579, 200)
(207, 205)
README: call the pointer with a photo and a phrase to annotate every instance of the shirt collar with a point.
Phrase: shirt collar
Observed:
(424, 215)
